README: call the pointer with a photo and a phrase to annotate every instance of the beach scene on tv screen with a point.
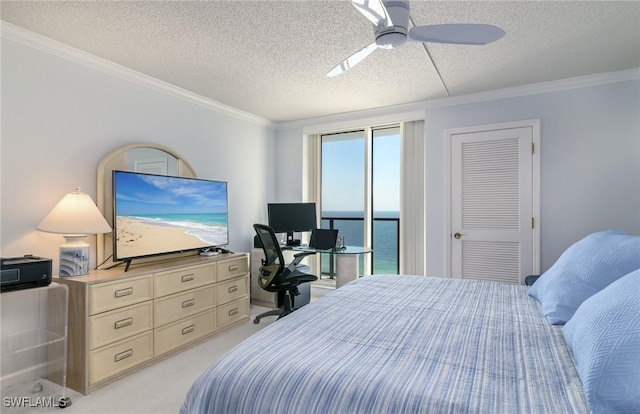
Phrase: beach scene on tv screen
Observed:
(158, 214)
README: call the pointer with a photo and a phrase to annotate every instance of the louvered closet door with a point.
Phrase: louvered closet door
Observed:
(491, 205)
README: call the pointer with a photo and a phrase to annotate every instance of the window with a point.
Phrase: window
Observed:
(360, 194)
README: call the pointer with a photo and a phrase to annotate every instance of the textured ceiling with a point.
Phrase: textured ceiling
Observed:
(270, 57)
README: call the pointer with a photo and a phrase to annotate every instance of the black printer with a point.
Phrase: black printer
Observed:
(24, 272)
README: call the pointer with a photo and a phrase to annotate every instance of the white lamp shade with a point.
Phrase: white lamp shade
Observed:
(75, 214)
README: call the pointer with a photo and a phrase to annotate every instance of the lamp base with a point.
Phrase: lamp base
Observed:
(74, 256)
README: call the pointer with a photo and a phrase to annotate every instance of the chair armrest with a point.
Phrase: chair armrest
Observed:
(531, 279)
(297, 258)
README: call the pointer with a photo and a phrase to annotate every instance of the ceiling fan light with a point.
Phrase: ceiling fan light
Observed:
(391, 40)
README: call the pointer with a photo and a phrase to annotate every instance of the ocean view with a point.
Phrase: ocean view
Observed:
(385, 237)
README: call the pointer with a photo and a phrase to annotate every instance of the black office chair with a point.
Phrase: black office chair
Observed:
(275, 276)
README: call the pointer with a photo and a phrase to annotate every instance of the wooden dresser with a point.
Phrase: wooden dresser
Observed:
(120, 321)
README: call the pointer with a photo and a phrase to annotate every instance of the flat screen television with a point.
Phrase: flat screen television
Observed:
(292, 217)
(159, 214)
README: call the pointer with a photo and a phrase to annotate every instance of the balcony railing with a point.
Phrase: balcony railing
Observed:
(385, 242)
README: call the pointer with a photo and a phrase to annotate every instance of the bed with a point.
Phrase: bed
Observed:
(411, 344)
(400, 344)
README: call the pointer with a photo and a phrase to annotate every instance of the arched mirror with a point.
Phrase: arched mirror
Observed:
(148, 158)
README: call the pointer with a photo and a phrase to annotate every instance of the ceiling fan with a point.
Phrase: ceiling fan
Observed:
(391, 20)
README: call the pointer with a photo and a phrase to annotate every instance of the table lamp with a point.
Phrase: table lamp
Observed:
(75, 216)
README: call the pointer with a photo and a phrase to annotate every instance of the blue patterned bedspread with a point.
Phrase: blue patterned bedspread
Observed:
(400, 344)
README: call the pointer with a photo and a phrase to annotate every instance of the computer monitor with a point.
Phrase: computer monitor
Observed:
(292, 217)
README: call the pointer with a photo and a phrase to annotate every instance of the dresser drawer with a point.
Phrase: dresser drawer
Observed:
(108, 361)
(181, 305)
(112, 295)
(233, 312)
(179, 333)
(167, 283)
(113, 326)
(232, 268)
(232, 289)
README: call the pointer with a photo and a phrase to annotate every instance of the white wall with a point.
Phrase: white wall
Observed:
(590, 159)
(60, 118)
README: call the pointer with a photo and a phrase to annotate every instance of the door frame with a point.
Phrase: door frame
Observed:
(534, 124)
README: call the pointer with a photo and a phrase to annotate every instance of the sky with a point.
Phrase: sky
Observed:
(153, 194)
(343, 171)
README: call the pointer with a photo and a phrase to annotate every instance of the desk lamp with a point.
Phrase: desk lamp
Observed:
(75, 216)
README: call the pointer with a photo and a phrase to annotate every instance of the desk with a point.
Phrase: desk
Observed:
(347, 266)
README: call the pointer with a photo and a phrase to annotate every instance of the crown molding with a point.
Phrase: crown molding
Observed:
(314, 124)
(59, 49)
(361, 119)
(539, 88)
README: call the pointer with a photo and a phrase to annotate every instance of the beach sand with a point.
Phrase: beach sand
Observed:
(141, 238)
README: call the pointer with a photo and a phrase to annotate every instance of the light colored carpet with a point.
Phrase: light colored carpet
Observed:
(161, 388)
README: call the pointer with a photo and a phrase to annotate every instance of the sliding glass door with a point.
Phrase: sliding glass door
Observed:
(343, 190)
(360, 194)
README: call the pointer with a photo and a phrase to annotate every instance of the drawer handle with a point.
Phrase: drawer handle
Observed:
(233, 311)
(233, 268)
(188, 303)
(187, 278)
(122, 323)
(124, 292)
(233, 289)
(123, 355)
(188, 329)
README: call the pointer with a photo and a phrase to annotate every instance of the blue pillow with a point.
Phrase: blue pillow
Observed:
(584, 269)
(604, 335)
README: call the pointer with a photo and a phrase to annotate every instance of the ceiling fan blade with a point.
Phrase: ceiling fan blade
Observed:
(374, 10)
(462, 34)
(352, 60)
